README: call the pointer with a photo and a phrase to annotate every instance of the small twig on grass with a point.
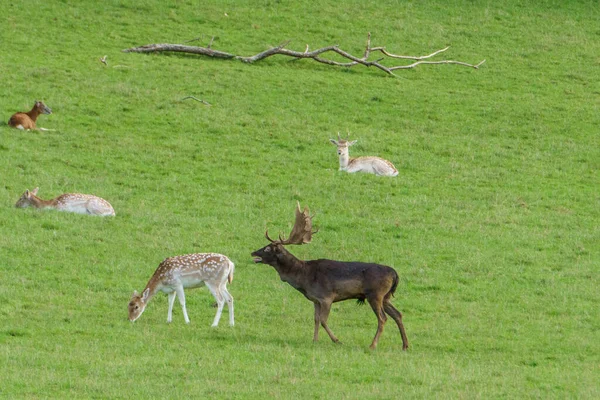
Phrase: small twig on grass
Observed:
(192, 40)
(199, 100)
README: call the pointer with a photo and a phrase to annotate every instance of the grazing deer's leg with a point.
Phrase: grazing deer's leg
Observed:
(317, 321)
(376, 305)
(325, 308)
(397, 316)
(172, 296)
(229, 300)
(181, 294)
(216, 292)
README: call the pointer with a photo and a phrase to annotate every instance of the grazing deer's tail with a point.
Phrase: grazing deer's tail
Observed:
(231, 268)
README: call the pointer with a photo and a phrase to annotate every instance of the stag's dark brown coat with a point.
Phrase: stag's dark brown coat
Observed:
(326, 281)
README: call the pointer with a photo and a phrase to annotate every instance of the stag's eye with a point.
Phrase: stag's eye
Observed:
(267, 249)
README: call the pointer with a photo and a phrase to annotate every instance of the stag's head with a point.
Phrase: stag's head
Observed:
(301, 233)
(342, 144)
(137, 304)
(42, 108)
(26, 198)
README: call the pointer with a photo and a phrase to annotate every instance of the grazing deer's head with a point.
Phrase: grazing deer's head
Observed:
(342, 145)
(42, 108)
(301, 233)
(27, 198)
(137, 304)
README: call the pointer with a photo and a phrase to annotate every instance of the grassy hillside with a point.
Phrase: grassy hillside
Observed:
(492, 223)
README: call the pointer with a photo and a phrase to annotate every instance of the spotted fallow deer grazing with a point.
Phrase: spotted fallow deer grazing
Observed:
(369, 164)
(175, 274)
(26, 120)
(70, 202)
(326, 281)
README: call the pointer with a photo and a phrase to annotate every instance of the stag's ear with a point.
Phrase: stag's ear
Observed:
(34, 191)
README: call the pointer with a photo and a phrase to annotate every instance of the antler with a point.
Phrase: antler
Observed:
(301, 232)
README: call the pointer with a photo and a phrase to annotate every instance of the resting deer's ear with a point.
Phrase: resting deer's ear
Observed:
(352, 142)
(34, 191)
(334, 142)
(145, 295)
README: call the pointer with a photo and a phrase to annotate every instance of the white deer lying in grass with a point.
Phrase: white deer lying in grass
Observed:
(70, 202)
(175, 274)
(369, 164)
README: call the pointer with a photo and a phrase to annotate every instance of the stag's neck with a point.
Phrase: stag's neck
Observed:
(41, 203)
(34, 113)
(290, 268)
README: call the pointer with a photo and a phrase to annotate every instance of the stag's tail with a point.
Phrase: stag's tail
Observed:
(394, 284)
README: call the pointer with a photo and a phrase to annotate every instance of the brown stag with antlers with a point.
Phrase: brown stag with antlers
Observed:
(325, 282)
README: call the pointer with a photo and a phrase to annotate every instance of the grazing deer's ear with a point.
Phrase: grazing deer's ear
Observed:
(135, 294)
(34, 191)
(145, 295)
(27, 193)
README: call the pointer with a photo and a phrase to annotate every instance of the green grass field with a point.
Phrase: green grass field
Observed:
(492, 223)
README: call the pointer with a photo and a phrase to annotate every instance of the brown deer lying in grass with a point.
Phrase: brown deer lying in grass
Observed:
(326, 281)
(189, 271)
(70, 202)
(26, 120)
(369, 164)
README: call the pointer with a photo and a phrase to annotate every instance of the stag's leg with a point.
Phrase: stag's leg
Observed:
(397, 316)
(325, 308)
(377, 306)
(181, 294)
(172, 296)
(317, 321)
(229, 300)
(216, 292)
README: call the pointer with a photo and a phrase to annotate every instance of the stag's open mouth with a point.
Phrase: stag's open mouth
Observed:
(257, 259)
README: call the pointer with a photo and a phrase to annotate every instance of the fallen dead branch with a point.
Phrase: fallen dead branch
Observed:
(316, 55)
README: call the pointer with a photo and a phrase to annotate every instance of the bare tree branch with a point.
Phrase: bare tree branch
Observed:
(316, 55)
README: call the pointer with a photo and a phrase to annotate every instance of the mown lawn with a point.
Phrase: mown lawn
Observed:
(492, 223)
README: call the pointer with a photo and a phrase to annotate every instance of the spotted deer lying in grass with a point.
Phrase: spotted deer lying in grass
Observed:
(70, 202)
(26, 120)
(175, 274)
(326, 281)
(369, 164)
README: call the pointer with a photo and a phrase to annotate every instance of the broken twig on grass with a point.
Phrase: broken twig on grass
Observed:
(199, 100)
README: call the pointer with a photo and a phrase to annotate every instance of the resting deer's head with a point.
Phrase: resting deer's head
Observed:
(137, 304)
(42, 108)
(26, 198)
(342, 144)
(301, 233)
